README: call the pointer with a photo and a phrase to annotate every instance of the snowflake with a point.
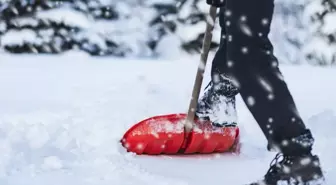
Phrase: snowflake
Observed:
(38, 8)
(293, 119)
(228, 13)
(284, 143)
(267, 86)
(243, 18)
(246, 30)
(274, 64)
(244, 50)
(268, 52)
(260, 34)
(29, 8)
(270, 97)
(230, 38)
(250, 101)
(268, 126)
(264, 21)
(270, 120)
(235, 82)
(229, 63)
(140, 146)
(228, 23)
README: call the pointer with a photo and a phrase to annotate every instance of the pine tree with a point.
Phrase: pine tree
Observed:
(41, 33)
(321, 47)
(119, 28)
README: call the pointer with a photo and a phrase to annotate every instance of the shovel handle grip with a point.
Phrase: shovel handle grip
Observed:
(210, 22)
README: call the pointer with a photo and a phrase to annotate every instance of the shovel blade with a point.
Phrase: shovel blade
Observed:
(165, 134)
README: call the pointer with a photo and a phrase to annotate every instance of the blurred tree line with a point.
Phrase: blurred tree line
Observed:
(152, 27)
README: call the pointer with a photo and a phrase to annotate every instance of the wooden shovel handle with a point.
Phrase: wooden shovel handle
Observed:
(210, 22)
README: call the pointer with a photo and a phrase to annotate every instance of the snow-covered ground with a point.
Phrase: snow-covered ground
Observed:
(61, 119)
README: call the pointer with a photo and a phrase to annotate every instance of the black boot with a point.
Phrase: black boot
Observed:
(293, 170)
(218, 103)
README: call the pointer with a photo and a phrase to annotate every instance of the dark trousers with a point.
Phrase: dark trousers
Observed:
(246, 57)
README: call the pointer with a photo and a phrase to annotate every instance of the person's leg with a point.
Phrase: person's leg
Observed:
(253, 68)
(218, 102)
(218, 63)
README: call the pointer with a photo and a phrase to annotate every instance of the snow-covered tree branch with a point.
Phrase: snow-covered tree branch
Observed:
(301, 30)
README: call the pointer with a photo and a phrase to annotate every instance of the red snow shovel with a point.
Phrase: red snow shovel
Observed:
(182, 133)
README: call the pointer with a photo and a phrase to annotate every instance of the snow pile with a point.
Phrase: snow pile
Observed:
(61, 119)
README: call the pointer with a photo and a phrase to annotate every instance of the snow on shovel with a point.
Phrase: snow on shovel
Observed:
(182, 133)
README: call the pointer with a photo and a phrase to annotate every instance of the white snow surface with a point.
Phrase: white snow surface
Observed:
(61, 119)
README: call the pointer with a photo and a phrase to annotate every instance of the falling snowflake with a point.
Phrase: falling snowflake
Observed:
(284, 143)
(243, 18)
(270, 96)
(268, 126)
(250, 101)
(274, 64)
(29, 8)
(230, 38)
(264, 21)
(235, 82)
(228, 13)
(293, 119)
(246, 29)
(229, 63)
(260, 34)
(268, 52)
(267, 86)
(228, 23)
(244, 50)
(270, 120)
(140, 146)
(38, 8)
